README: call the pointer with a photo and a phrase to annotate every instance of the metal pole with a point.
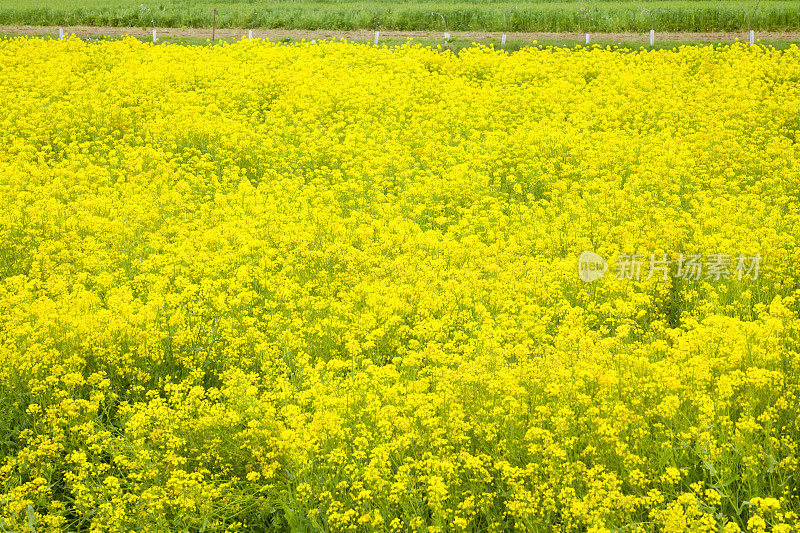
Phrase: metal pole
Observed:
(152, 19)
(446, 33)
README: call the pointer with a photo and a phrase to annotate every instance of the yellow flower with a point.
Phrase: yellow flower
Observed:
(335, 286)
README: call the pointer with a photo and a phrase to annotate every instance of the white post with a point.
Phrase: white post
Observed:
(60, 34)
(249, 35)
(446, 35)
(155, 37)
(652, 37)
(587, 38)
(377, 36)
(503, 40)
(752, 37)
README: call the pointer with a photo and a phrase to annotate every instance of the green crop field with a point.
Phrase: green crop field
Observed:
(599, 16)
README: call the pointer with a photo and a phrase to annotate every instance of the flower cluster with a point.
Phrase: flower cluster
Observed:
(332, 287)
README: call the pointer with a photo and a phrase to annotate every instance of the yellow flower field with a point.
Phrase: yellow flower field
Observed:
(263, 287)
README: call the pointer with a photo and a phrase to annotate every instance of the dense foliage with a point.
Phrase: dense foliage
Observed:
(335, 286)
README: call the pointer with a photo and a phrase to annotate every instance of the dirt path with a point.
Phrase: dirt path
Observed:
(277, 34)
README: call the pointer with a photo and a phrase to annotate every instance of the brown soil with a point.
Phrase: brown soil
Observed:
(277, 34)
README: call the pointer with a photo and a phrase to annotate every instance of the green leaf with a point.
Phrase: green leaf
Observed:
(31, 519)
